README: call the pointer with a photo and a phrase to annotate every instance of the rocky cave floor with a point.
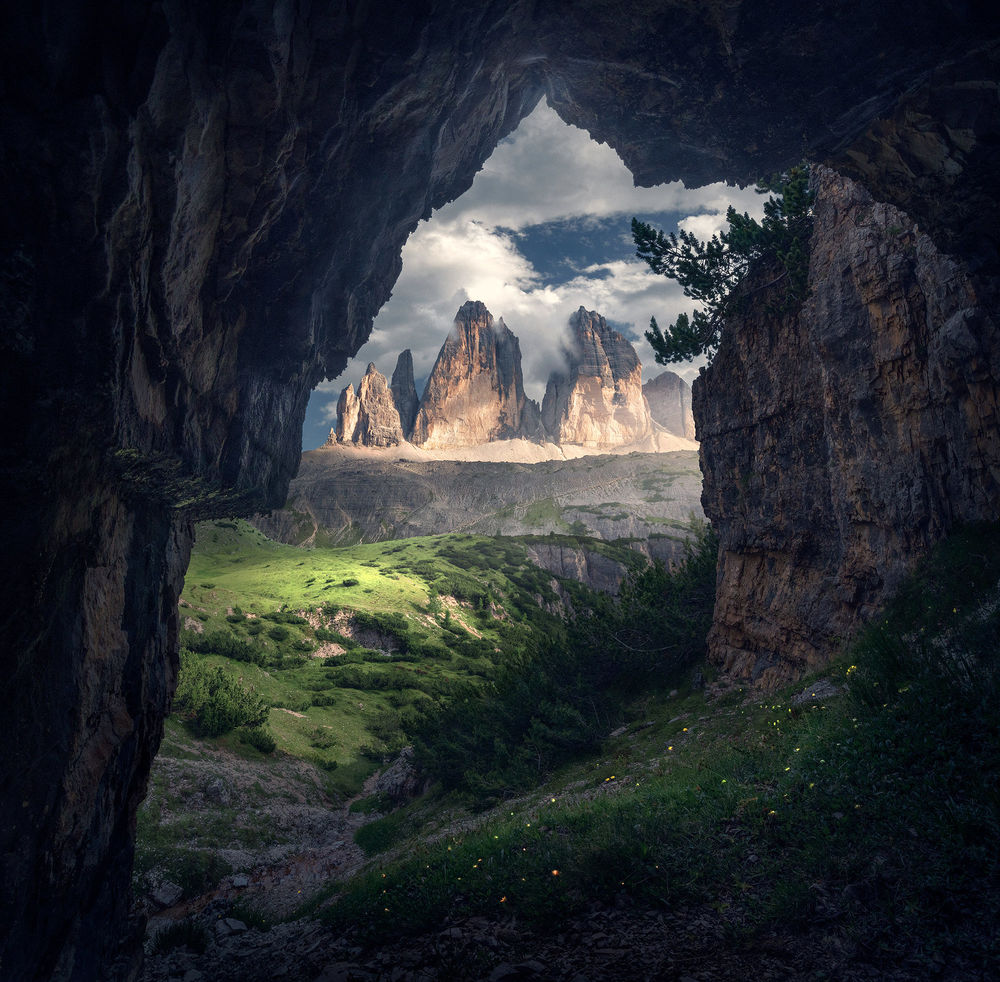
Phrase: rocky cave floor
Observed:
(687, 945)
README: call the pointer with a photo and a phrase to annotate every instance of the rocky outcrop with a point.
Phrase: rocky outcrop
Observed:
(583, 565)
(341, 496)
(475, 392)
(204, 206)
(838, 443)
(598, 400)
(368, 419)
(669, 399)
(404, 392)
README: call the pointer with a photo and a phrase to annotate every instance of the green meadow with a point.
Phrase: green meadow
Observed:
(341, 642)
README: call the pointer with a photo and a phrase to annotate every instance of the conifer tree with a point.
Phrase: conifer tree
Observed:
(710, 272)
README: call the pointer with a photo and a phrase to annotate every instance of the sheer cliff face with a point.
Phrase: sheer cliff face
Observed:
(404, 392)
(669, 399)
(598, 401)
(204, 207)
(839, 443)
(347, 416)
(475, 392)
(369, 418)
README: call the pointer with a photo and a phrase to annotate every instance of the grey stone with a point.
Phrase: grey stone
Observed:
(344, 972)
(226, 926)
(817, 692)
(167, 894)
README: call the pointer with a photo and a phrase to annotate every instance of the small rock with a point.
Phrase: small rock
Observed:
(241, 880)
(217, 791)
(167, 894)
(617, 733)
(226, 926)
(503, 972)
(193, 975)
(823, 689)
(344, 972)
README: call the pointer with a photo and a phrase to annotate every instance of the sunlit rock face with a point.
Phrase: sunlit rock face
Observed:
(369, 418)
(347, 416)
(839, 443)
(598, 400)
(204, 206)
(404, 392)
(669, 399)
(475, 392)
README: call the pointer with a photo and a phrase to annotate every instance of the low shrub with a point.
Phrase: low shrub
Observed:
(260, 738)
(224, 643)
(212, 702)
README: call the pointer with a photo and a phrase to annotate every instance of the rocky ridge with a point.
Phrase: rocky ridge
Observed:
(369, 418)
(404, 392)
(649, 499)
(475, 392)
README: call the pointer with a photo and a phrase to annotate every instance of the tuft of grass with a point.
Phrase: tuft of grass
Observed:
(181, 934)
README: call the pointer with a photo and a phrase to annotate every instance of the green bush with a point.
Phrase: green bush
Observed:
(260, 738)
(284, 617)
(213, 702)
(223, 643)
(382, 834)
(279, 633)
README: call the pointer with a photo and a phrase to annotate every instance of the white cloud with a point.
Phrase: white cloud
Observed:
(546, 171)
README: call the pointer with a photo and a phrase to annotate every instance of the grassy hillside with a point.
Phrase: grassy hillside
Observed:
(847, 827)
(311, 665)
(341, 640)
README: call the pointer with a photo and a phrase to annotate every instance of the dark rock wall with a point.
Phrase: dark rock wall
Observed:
(204, 205)
(838, 443)
(404, 392)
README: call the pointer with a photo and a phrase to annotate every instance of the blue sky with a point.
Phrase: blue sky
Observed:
(543, 230)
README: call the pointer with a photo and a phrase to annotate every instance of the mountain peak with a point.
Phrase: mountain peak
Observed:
(598, 400)
(475, 393)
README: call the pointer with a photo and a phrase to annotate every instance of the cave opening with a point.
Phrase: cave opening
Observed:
(169, 171)
(542, 231)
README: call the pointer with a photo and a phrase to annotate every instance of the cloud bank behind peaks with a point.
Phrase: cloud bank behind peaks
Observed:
(543, 230)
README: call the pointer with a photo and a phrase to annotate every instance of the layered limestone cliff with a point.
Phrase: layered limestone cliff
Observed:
(475, 392)
(369, 418)
(598, 400)
(404, 392)
(838, 443)
(204, 207)
(669, 399)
